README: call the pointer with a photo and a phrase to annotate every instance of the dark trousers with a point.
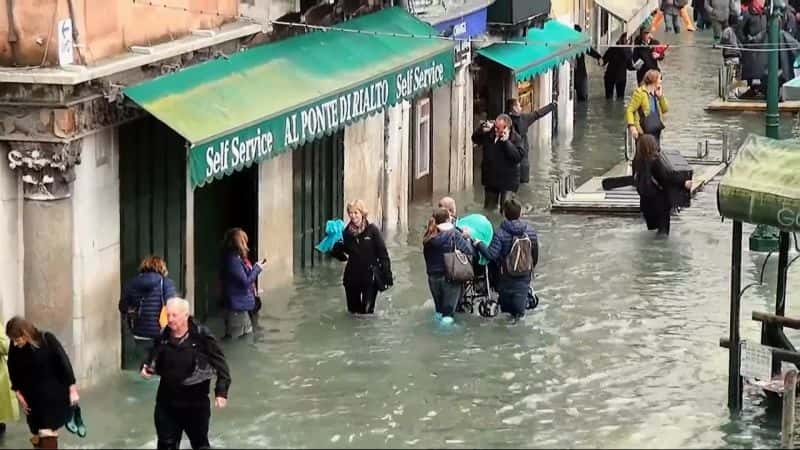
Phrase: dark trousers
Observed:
(581, 88)
(615, 84)
(494, 200)
(656, 210)
(701, 18)
(672, 21)
(172, 421)
(445, 294)
(360, 298)
(514, 302)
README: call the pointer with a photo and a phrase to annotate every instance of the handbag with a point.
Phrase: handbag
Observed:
(458, 266)
(379, 278)
(651, 124)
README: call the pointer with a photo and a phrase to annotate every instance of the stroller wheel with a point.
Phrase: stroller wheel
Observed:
(488, 308)
(468, 307)
(533, 300)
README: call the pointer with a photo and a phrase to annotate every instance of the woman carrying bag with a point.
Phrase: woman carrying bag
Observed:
(645, 112)
(448, 261)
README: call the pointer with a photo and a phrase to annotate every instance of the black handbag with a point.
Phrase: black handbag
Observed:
(458, 266)
(651, 124)
(381, 277)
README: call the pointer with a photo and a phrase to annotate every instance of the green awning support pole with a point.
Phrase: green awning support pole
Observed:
(765, 238)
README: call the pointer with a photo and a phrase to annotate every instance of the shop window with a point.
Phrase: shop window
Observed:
(423, 145)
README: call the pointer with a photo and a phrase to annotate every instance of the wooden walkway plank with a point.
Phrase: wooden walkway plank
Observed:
(718, 104)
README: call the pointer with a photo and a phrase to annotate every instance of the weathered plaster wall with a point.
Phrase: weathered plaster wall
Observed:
(442, 145)
(96, 259)
(12, 300)
(105, 27)
(397, 144)
(275, 213)
(363, 164)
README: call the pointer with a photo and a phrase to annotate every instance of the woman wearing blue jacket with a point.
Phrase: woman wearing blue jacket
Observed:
(238, 276)
(442, 237)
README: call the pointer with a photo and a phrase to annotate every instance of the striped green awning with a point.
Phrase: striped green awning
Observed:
(762, 185)
(241, 110)
(541, 50)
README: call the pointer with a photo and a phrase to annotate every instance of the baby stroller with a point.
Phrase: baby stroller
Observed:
(480, 291)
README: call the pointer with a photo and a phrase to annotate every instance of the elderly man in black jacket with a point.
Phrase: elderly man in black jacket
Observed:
(502, 153)
(521, 121)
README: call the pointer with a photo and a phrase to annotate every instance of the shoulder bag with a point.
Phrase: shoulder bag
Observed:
(458, 266)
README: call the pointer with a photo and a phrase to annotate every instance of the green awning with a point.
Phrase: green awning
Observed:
(541, 50)
(266, 100)
(762, 185)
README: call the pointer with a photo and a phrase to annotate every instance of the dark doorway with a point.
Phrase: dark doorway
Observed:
(152, 175)
(318, 195)
(223, 204)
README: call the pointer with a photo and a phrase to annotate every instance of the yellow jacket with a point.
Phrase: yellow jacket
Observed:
(640, 101)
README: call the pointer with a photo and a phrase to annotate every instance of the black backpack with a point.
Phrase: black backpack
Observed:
(519, 260)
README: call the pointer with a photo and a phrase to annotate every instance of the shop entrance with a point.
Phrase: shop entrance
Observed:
(152, 175)
(223, 204)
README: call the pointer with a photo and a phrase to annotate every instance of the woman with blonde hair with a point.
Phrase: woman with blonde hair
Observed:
(42, 377)
(645, 112)
(143, 298)
(368, 268)
(238, 276)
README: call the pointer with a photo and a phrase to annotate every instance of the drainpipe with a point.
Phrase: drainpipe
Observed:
(12, 30)
(386, 172)
(75, 34)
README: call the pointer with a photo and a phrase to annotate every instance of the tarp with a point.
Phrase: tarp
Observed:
(762, 185)
(633, 13)
(480, 228)
(261, 102)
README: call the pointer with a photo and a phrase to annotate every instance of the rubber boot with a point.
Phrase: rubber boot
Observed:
(35, 441)
(687, 21)
(48, 442)
(657, 21)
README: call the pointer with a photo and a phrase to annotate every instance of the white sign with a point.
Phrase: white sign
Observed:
(756, 361)
(65, 42)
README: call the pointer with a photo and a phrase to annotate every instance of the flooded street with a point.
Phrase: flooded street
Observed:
(622, 351)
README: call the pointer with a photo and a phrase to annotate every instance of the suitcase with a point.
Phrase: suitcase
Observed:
(674, 162)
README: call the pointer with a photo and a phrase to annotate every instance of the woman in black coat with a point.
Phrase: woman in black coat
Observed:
(753, 33)
(653, 183)
(617, 61)
(42, 378)
(368, 268)
(644, 51)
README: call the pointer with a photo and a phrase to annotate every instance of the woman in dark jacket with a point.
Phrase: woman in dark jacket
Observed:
(238, 276)
(186, 357)
(617, 61)
(368, 268)
(42, 377)
(645, 51)
(521, 122)
(143, 297)
(753, 34)
(502, 154)
(442, 237)
(653, 183)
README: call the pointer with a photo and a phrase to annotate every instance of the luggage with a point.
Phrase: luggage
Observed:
(612, 183)
(674, 162)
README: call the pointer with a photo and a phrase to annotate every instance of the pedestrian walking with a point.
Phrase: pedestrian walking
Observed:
(671, 12)
(645, 112)
(700, 14)
(238, 276)
(42, 378)
(143, 300)
(186, 357)
(9, 409)
(719, 12)
(617, 61)
(753, 34)
(653, 183)
(521, 122)
(368, 270)
(515, 249)
(581, 76)
(503, 151)
(645, 54)
(441, 237)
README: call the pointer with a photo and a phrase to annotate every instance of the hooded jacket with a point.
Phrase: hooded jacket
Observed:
(145, 290)
(500, 247)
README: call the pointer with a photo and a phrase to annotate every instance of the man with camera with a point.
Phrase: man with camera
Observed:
(503, 150)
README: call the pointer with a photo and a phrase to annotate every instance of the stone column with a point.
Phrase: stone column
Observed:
(47, 172)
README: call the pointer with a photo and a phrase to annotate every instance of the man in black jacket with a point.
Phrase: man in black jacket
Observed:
(581, 75)
(521, 122)
(502, 153)
(186, 357)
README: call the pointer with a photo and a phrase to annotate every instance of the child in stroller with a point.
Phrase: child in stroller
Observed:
(481, 291)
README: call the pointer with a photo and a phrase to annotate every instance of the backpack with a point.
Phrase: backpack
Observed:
(519, 260)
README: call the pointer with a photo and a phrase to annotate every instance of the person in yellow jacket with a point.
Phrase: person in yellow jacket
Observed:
(9, 409)
(645, 112)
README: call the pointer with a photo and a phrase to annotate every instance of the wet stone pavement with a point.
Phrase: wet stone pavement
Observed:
(622, 351)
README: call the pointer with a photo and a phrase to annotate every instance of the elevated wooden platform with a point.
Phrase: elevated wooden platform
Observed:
(751, 106)
(591, 198)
